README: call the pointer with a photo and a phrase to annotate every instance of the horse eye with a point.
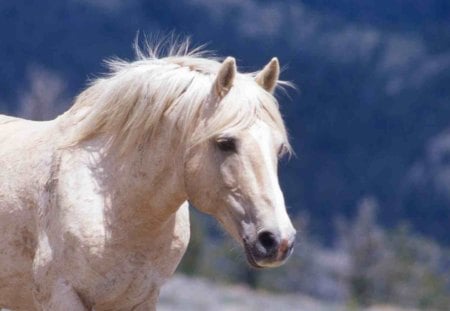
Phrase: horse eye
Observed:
(227, 144)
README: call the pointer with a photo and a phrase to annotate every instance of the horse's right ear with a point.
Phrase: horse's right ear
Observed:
(225, 77)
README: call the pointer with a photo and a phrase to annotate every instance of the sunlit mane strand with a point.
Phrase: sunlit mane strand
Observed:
(128, 103)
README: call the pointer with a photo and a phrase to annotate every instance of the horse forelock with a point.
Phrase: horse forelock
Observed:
(128, 103)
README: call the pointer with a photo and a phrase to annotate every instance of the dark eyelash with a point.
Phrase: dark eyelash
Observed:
(226, 144)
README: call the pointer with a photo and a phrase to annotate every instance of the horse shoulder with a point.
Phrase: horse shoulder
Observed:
(26, 153)
(76, 208)
(72, 228)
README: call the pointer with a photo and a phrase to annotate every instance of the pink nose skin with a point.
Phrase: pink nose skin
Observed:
(283, 249)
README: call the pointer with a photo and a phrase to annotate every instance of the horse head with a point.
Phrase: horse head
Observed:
(232, 175)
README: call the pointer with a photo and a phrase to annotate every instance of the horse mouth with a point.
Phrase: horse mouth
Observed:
(274, 260)
(250, 259)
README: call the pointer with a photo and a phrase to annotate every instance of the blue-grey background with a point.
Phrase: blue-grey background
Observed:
(373, 80)
(370, 116)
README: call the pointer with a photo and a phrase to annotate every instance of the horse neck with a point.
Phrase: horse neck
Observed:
(148, 187)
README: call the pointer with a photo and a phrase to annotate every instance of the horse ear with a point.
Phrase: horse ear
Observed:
(268, 77)
(225, 77)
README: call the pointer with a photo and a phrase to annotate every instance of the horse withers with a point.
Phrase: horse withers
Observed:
(93, 204)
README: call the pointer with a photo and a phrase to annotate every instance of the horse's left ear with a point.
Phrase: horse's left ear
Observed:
(268, 77)
(225, 77)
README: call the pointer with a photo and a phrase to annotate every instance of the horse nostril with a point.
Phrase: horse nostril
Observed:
(268, 240)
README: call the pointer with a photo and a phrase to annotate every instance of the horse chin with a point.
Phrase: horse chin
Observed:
(250, 259)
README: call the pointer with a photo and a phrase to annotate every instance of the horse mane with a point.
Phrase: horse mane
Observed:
(129, 102)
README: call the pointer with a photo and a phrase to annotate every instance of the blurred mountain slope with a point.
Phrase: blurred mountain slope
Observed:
(183, 293)
(372, 76)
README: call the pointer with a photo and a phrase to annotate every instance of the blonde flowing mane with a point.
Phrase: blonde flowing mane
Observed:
(129, 102)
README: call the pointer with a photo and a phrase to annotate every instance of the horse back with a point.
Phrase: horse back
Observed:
(26, 152)
(5, 119)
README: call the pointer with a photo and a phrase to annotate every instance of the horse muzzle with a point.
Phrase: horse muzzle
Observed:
(268, 249)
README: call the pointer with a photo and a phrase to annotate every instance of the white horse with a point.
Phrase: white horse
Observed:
(93, 212)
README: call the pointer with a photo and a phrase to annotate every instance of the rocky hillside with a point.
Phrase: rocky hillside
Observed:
(184, 293)
(372, 77)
